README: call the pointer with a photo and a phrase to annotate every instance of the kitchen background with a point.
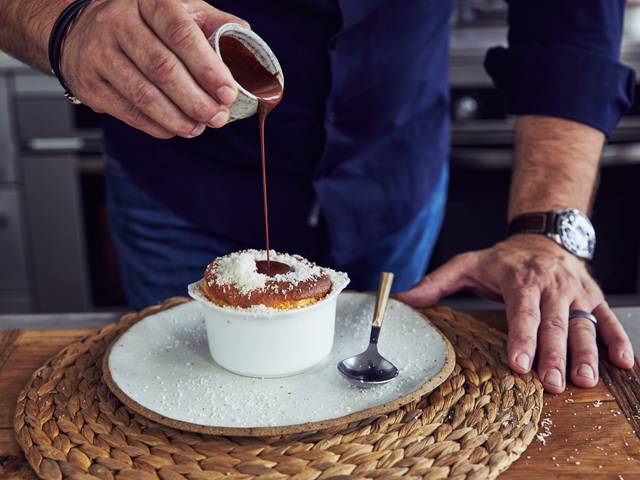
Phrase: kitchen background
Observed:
(55, 250)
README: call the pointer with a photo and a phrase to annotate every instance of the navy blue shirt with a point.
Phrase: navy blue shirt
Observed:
(363, 130)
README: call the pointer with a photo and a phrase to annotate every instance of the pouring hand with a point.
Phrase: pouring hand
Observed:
(148, 63)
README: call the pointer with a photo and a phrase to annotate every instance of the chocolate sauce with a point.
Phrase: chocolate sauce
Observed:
(272, 268)
(251, 74)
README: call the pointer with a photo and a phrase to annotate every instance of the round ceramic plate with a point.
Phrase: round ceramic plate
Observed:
(161, 369)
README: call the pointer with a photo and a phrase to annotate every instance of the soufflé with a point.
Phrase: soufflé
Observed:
(244, 280)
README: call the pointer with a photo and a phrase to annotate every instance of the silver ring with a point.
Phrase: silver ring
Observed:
(582, 314)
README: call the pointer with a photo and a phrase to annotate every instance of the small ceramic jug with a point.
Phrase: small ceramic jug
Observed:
(246, 104)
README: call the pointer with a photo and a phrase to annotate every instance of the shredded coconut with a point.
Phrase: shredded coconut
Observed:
(546, 425)
(239, 269)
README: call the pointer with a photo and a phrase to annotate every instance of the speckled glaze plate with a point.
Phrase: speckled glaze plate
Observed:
(161, 369)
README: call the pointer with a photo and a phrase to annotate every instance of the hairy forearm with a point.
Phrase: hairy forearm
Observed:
(556, 165)
(25, 26)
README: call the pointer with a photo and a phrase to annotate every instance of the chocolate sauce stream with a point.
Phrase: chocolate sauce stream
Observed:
(251, 74)
(262, 116)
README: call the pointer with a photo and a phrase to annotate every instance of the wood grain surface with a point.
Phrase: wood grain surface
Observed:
(587, 434)
(625, 385)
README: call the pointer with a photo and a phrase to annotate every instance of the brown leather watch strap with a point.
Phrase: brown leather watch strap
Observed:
(535, 222)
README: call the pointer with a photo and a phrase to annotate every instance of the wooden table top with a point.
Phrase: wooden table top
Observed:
(587, 433)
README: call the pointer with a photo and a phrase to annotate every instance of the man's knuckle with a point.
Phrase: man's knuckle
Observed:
(554, 323)
(143, 95)
(554, 357)
(526, 312)
(524, 339)
(583, 327)
(181, 32)
(202, 111)
(210, 72)
(588, 285)
(132, 115)
(526, 278)
(585, 355)
(564, 281)
(209, 69)
(511, 273)
(162, 67)
(134, 118)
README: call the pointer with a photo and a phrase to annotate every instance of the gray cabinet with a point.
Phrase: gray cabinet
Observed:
(13, 263)
(54, 214)
(7, 147)
(16, 294)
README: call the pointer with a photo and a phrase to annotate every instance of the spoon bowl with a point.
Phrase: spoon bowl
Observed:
(369, 367)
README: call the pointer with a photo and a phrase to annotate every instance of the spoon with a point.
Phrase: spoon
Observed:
(369, 367)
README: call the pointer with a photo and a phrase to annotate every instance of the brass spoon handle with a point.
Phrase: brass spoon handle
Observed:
(384, 289)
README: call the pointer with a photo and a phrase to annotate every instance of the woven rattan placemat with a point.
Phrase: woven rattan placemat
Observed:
(473, 426)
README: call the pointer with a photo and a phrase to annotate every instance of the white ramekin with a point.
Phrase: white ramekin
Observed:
(246, 104)
(266, 342)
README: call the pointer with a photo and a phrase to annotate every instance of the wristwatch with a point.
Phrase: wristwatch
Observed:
(569, 228)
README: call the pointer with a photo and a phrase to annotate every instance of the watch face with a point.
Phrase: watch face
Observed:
(577, 233)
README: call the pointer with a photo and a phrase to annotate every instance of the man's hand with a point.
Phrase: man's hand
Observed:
(148, 63)
(539, 283)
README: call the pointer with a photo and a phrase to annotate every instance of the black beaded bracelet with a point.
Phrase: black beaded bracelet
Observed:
(56, 41)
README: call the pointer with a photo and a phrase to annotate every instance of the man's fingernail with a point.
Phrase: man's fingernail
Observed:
(219, 119)
(523, 361)
(553, 377)
(585, 371)
(628, 356)
(226, 95)
(198, 130)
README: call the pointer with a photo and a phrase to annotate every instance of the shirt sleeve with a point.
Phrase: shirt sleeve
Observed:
(563, 61)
